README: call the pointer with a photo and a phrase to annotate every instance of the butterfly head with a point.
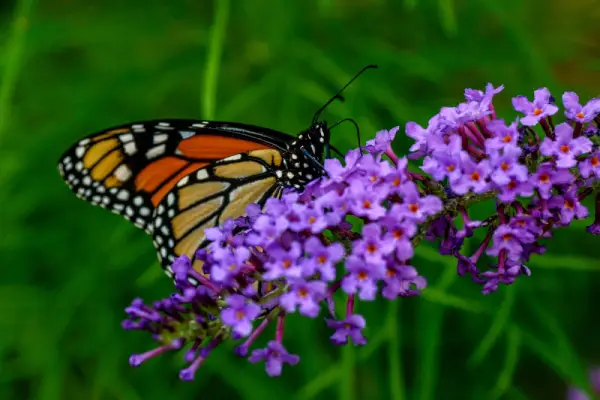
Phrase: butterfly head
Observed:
(304, 160)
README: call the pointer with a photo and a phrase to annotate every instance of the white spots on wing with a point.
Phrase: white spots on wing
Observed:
(144, 211)
(161, 209)
(183, 181)
(83, 142)
(294, 156)
(138, 201)
(158, 222)
(290, 175)
(159, 138)
(87, 180)
(305, 165)
(123, 195)
(171, 243)
(163, 252)
(202, 174)
(322, 140)
(140, 223)
(171, 213)
(96, 199)
(129, 211)
(100, 189)
(309, 177)
(78, 166)
(130, 148)
(156, 151)
(138, 128)
(170, 199)
(106, 200)
(232, 158)
(200, 125)
(159, 240)
(279, 173)
(126, 137)
(122, 172)
(186, 134)
(118, 207)
(80, 151)
(165, 230)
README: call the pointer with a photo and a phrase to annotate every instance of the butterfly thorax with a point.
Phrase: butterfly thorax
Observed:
(303, 161)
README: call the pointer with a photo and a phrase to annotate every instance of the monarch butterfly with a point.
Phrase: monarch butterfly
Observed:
(174, 178)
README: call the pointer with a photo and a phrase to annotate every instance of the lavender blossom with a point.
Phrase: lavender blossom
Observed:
(351, 236)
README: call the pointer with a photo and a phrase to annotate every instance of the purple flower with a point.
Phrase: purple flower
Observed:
(514, 188)
(484, 98)
(577, 112)
(350, 327)
(540, 108)
(239, 314)
(274, 355)
(590, 166)
(304, 295)
(546, 177)
(574, 393)
(373, 247)
(474, 177)
(322, 258)
(414, 207)
(364, 202)
(565, 148)
(445, 161)
(383, 139)
(503, 135)
(568, 206)
(229, 265)
(284, 262)
(506, 166)
(509, 239)
(362, 277)
(401, 280)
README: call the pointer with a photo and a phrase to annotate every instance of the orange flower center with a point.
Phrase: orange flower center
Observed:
(371, 248)
(390, 273)
(414, 208)
(286, 264)
(580, 114)
(475, 176)
(362, 275)
(396, 182)
(504, 166)
(512, 184)
(322, 259)
(507, 139)
(450, 168)
(569, 204)
(303, 292)
(507, 237)
(564, 148)
(240, 314)
(595, 161)
(537, 111)
(398, 234)
(544, 178)
(366, 204)
(312, 219)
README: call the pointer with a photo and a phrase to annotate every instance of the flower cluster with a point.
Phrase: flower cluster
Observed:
(354, 232)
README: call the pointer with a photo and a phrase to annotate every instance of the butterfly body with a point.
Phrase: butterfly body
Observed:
(175, 178)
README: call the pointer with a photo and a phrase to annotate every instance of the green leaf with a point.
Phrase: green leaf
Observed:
(442, 298)
(396, 377)
(572, 262)
(499, 324)
(213, 64)
(504, 381)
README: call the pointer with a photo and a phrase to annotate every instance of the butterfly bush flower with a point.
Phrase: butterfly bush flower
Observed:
(350, 235)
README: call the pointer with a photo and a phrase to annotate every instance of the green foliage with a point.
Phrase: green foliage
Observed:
(68, 269)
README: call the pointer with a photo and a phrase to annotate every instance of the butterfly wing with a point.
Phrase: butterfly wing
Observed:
(130, 168)
(211, 195)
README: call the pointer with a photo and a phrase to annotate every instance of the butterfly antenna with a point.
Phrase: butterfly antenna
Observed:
(353, 123)
(338, 94)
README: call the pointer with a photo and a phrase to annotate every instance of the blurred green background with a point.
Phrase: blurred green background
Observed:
(68, 68)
